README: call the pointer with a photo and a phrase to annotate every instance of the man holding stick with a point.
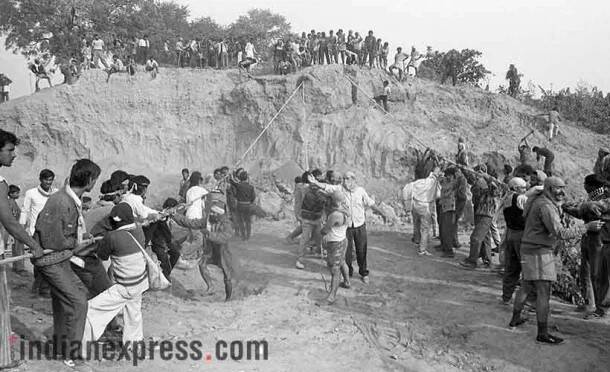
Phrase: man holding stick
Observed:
(61, 228)
(8, 142)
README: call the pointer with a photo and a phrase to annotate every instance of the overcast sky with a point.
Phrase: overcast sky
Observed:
(552, 42)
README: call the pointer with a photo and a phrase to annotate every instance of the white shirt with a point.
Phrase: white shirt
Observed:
(249, 50)
(194, 197)
(97, 44)
(137, 206)
(152, 64)
(144, 43)
(357, 201)
(424, 190)
(33, 203)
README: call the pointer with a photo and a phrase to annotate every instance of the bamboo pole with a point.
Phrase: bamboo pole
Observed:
(267, 126)
(5, 321)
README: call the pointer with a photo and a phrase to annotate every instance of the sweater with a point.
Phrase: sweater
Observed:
(245, 193)
(543, 227)
(128, 261)
(57, 223)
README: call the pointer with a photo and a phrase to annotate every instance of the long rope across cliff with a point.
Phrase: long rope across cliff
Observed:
(267, 126)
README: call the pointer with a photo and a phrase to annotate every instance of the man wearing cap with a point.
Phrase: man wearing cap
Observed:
(591, 242)
(515, 224)
(138, 186)
(543, 229)
(217, 230)
(357, 200)
(599, 207)
(122, 245)
(418, 196)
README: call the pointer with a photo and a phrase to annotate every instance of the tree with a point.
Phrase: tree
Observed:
(57, 26)
(262, 26)
(466, 64)
(206, 27)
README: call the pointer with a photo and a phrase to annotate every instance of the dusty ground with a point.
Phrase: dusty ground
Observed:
(417, 314)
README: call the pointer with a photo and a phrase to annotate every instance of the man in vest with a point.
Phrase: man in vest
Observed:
(515, 224)
(335, 243)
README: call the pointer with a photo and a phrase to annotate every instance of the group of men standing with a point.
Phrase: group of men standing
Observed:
(533, 206)
(330, 211)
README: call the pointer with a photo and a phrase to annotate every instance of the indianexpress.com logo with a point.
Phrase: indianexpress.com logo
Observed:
(135, 352)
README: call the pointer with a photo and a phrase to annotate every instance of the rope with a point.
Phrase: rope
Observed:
(267, 126)
(485, 175)
(382, 109)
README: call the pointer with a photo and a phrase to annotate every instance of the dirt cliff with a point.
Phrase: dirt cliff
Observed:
(204, 119)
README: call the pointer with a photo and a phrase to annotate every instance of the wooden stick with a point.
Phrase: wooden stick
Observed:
(9, 260)
(5, 320)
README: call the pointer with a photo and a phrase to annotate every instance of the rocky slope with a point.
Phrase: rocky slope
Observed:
(204, 119)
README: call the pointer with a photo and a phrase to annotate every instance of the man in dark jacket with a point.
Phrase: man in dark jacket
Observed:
(485, 192)
(543, 229)
(215, 250)
(60, 227)
(245, 196)
(312, 208)
(595, 266)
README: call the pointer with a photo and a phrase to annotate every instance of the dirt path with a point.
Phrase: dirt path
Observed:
(417, 314)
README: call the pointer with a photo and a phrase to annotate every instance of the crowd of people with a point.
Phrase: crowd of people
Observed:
(318, 48)
(533, 204)
(289, 53)
(71, 237)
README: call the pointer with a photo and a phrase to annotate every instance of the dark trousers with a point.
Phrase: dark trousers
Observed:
(479, 244)
(356, 237)
(542, 289)
(17, 249)
(382, 99)
(447, 228)
(590, 253)
(167, 256)
(548, 165)
(459, 213)
(323, 54)
(243, 221)
(512, 263)
(602, 294)
(93, 275)
(40, 284)
(69, 304)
